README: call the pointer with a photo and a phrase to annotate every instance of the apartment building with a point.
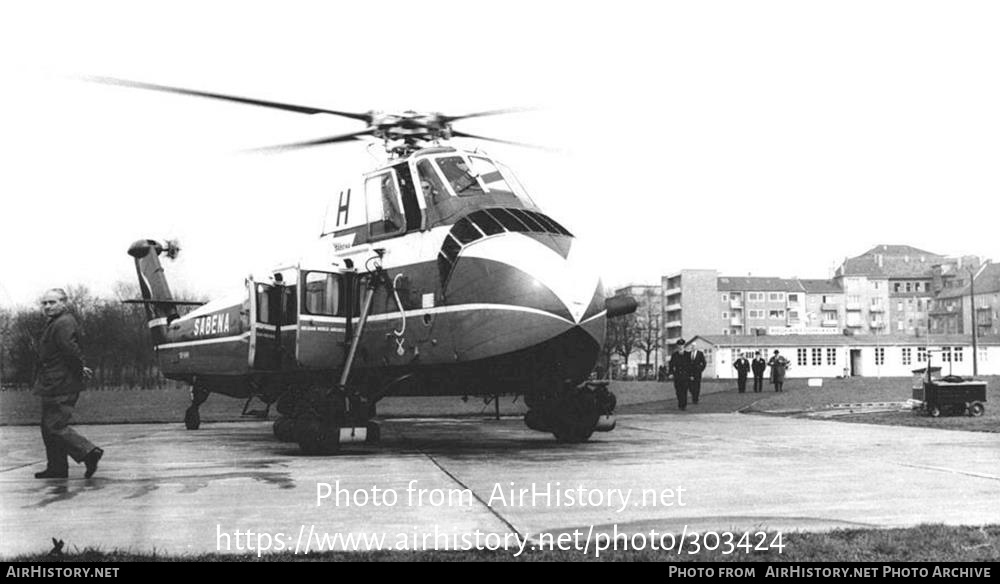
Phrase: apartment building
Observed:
(952, 310)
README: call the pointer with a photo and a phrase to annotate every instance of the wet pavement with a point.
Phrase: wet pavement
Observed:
(162, 488)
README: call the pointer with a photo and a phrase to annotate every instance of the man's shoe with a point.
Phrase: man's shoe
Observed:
(91, 460)
(52, 474)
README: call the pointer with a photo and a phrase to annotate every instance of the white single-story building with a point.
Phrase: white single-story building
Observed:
(860, 355)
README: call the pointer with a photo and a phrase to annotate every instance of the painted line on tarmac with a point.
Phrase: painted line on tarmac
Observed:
(950, 470)
(716, 437)
(474, 494)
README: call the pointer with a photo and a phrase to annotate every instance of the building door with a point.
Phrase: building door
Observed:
(856, 363)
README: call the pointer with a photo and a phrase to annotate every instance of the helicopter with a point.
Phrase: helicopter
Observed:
(439, 277)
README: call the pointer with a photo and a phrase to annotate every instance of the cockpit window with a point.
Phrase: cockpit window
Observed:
(513, 181)
(463, 180)
(382, 199)
(430, 183)
(490, 175)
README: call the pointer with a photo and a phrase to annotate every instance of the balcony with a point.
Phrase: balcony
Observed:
(830, 322)
(672, 291)
(672, 307)
(736, 303)
(853, 306)
(851, 324)
(827, 307)
(672, 324)
(877, 324)
(876, 308)
(736, 321)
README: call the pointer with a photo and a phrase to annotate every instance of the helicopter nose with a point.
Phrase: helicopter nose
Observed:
(538, 272)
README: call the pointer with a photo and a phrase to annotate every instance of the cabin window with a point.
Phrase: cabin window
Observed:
(463, 181)
(264, 293)
(382, 202)
(322, 293)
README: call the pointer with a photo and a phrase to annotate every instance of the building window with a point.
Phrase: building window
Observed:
(776, 314)
(801, 356)
(921, 354)
(793, 314)
(755, 296)
(817, 356)
(880, 356)
(909, 287)
(793, 297)
(725, 297)
(831, 356)
(907, 355)
(946, 354)
(899, 325)
(958, 355)
(776, 296)
(756, 313)
(725, 315)
(725, 331)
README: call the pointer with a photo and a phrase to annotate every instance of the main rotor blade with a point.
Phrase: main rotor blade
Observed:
(510, 110)
(468, 135)
(316, 142)
(365, 117)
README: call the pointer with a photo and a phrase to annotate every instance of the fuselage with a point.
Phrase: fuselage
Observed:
(489, 294)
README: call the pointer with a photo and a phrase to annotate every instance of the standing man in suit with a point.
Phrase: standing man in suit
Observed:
(58, 382)
(742, 367)
(680, 368)
(697, 366)
(758, 365)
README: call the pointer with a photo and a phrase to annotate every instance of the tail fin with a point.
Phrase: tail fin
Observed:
(156, 296)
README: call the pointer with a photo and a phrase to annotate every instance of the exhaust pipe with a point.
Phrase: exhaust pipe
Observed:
(620, 306)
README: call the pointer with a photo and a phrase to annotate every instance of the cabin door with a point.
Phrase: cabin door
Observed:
(322, 320)
(265, 318)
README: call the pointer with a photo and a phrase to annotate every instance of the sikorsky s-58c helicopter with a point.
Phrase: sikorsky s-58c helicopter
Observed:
(440, 276)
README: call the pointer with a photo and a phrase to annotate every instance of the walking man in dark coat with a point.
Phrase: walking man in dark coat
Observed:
(698, 365)
(758, 365)
(742, 367)
(58, 382)
(779, 365)
(680, 368)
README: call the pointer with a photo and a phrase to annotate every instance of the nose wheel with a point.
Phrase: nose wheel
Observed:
(572, 414)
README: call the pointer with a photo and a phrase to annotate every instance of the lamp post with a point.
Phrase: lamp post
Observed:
(975, 325)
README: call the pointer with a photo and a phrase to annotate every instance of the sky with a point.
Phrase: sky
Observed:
(765, 138)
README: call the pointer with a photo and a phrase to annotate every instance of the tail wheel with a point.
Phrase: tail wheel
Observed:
(934, 412)
(976, 409)
(192, 418)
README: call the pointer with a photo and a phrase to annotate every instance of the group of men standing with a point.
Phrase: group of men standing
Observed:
(686, 367)
(777, 363)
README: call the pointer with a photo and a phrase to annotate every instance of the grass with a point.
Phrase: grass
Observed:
(924, 543)
(20, 407)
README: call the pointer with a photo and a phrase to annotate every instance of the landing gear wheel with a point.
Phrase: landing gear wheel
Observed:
(317, 438)
(574, 433)
(284, 429)
(976, 409)
(373, 433)
(192, 418)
